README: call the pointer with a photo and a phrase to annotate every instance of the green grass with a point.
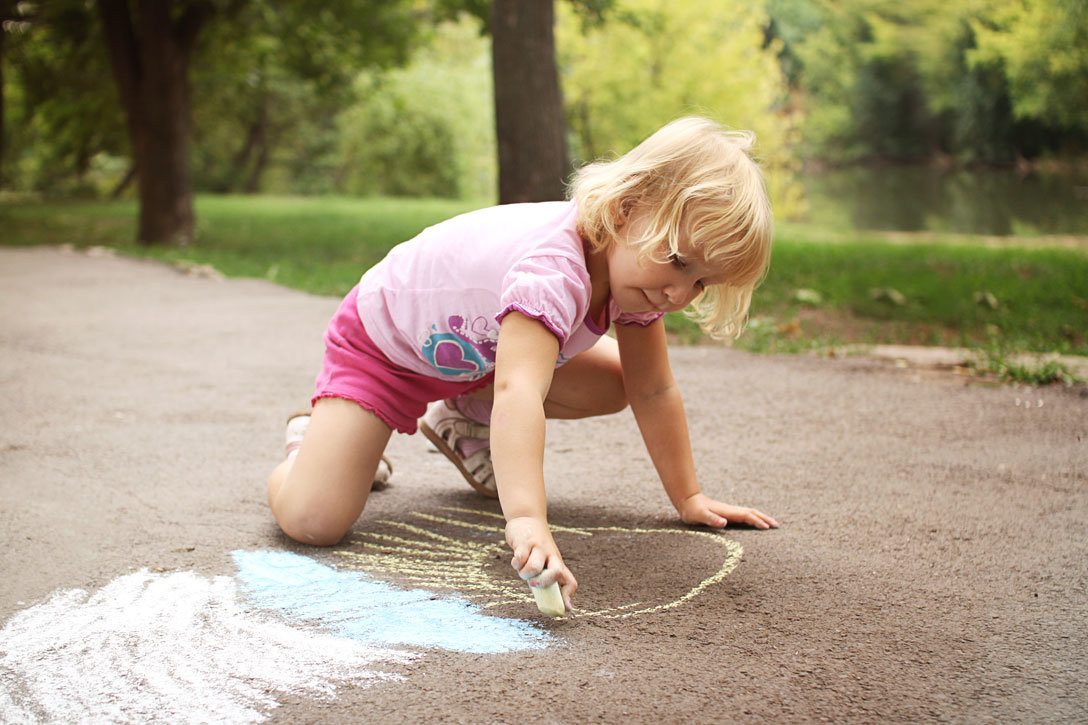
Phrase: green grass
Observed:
(1031, 295)
(318, 244)
(997, 360)
(1031, 298)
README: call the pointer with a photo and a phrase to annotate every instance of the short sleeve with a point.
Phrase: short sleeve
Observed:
(553, 289)
(642, 319)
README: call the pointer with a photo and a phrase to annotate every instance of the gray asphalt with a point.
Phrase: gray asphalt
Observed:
(932, 563)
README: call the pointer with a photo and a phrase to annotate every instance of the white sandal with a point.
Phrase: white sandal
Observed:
(445, 426)
(297, 423)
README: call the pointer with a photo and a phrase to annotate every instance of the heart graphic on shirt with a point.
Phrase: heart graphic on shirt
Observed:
(450, 354)
(479, 328)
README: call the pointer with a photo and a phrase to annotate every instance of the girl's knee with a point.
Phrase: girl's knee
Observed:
(613, 395)
(314, 528)
(589, 385)
(306, 519)
(317, 494)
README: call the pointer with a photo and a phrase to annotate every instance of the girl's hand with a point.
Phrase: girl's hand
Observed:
(700, 509)
(536, 557)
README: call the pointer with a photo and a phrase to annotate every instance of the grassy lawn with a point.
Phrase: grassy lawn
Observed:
(824, 290)
(957, 291)
(317, 244)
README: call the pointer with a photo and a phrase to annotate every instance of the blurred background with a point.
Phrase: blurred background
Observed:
(241, 133)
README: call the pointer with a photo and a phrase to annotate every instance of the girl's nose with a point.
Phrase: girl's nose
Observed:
(678, 295)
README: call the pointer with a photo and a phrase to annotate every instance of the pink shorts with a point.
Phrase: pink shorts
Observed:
(355, 369)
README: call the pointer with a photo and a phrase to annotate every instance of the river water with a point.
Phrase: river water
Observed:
(987, 202)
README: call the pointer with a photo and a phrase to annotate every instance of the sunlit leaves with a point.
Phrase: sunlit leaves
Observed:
(1042, 46)
(654, 60)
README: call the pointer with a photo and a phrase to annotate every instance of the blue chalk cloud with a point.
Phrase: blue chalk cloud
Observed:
(351, 604)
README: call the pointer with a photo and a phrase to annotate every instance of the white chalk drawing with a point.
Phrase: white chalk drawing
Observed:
(184, 648)
(420, 555)
(174, 647)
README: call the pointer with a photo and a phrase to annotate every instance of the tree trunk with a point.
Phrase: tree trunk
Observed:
(150, 45)
(256, 141)
(528, 104)
(7, 12)
(253, 183)
(3, 148)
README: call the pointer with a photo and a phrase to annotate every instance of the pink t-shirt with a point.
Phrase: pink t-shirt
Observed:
(434, 304)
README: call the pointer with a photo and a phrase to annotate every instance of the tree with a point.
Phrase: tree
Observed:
(651, 61)
(529, 124)
(11, 16)
(286, 69)
(424, 129)
(528, 103)
(7, 15)
(66, 132)
(150, 46)
(152, 42)
(978, 80)
(1042, 48)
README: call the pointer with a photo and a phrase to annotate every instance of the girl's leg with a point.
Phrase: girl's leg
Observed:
(590, 384)
(317, 494)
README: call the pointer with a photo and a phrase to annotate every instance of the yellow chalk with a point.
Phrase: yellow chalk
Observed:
(428, 559)
(548, 600)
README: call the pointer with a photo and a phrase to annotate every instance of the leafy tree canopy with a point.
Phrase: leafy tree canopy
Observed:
(1042, 47)
(654, 60)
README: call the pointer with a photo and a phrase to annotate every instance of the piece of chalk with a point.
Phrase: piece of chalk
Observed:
(548, 600)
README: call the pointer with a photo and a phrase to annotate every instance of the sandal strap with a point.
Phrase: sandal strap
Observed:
(479, 464)
(446, 426)
(453, 430)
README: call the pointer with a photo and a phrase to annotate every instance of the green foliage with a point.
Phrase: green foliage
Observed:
(1042, 47)
(426, 129)
(63, 112)
(267, 78)
(651, 61)
(983, 80)
(309, 97)
(864, 77)
(284, 70)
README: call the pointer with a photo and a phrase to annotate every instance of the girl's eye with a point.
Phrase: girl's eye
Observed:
(677, 262)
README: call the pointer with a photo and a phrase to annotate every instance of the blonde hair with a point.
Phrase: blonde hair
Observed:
(690, 180)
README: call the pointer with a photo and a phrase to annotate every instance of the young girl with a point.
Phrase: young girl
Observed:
(498, 317)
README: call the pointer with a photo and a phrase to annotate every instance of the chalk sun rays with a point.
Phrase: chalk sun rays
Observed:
(464, 558)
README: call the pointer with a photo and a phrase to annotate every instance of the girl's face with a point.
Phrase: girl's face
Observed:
(651, 285)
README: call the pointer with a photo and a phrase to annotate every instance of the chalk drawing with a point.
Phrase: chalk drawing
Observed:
(353, 605)
(175, 647)
(426, 558)
(183, 648)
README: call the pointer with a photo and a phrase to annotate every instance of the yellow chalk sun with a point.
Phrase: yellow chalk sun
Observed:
(431, 560)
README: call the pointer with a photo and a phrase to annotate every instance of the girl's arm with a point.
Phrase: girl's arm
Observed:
(659, 411)
(524, 365)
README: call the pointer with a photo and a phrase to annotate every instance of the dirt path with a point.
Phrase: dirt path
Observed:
(931, 564)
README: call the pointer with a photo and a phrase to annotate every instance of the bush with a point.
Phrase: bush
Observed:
(426, 129)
